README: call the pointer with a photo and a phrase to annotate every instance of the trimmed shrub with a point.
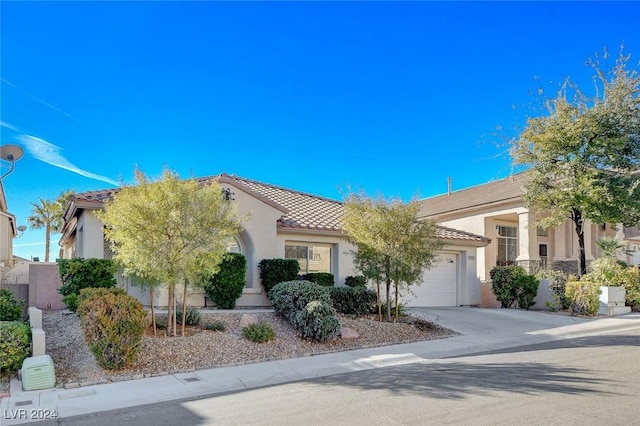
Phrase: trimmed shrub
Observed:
(583, 297)
(192, 317)
(631, 279)
(307, 307)
(291, 296)
(504, 284)
(77, 274)
(317, 321)
(353, 300)
(527, 290)
(324, 279)
(259, 332)
(225, 287)
(607, 271)
(558, 280)
(275, 271)
(71, 301)
(15, 344)
(113, 324)
(355, 281)
(10, 307)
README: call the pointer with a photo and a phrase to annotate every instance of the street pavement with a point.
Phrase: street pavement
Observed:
(481, 331)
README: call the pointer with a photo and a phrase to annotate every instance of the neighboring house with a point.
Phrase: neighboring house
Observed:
(632, 241)
(285, 223)
(8, 231)
(498, 211)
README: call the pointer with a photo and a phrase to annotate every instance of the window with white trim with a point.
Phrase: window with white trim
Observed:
(312, 257)
(507, 245)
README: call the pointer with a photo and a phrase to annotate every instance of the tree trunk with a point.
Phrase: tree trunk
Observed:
(47, 241)
(379, 301)
(153, 312)
(388, 300)
(578, 220)
(169, 310)
(184, 305)
(396, 284)
(175, 320)
(388, 275)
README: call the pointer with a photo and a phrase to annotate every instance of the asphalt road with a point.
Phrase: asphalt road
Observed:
(591, 380)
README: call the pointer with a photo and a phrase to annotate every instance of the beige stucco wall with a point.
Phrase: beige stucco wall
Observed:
(561, 241)
(6, 240)
(484, 223)
(469, 280)
(260, 239)
(89, 241)
(44, 282)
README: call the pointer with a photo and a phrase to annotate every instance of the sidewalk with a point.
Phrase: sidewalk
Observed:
(482, 330)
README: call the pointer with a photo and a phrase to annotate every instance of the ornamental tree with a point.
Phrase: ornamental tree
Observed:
(583, 156)
(170, 231)
(392, 245)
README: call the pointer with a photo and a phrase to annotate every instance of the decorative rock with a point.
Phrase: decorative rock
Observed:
(348, 333)
(247, 319)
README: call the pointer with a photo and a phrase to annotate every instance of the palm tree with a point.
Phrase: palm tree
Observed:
(48, 214)
(612, 248)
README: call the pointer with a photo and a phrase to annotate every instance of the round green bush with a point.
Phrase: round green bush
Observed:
(113, 324)
(355, 281)
(317, 321)
(259, 332)
(353, 300)
(15, 343)
(583, 297)
(324, 279)
(78, 273)
(504, 285)
(292, 296)
(10, 307)
(275, 271)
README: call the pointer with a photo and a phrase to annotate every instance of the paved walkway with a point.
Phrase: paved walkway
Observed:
(481, 330)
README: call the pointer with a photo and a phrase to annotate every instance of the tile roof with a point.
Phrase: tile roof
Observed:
(300, 210)
(509, 189)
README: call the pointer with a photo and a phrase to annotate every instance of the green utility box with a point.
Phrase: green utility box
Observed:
(38, 373)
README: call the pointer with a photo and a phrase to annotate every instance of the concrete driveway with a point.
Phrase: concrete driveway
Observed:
(515, 326)
(468, 320)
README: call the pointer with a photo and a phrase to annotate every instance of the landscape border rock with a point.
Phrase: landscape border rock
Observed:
(75, 366)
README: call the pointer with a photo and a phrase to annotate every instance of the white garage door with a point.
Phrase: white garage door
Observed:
(439, 284)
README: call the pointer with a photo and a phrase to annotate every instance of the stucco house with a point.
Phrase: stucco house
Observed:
(498, 211)
(285, 223)
(8, 231)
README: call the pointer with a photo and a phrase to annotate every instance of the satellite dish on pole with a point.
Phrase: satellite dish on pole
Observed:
(10, 153)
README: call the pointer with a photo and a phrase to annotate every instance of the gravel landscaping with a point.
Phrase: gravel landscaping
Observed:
(75, 365)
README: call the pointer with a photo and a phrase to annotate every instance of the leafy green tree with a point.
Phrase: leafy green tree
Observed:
(392, 245)
(170, 231)
(49, 214)
(584, 154)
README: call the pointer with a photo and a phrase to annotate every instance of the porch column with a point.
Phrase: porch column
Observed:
(528, 255)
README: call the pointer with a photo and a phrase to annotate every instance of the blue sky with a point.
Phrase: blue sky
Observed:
(389, 97)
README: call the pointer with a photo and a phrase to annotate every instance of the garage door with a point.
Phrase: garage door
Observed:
(439, 284)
